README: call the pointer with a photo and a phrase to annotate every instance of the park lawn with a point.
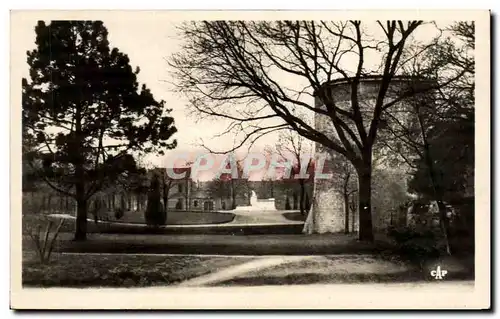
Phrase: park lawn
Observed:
(89, 270)
(214, 244)
(181, 218)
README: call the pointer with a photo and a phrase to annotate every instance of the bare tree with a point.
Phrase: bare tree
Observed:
(261, 75)
(166, 185)
(228, 186)
(294, 147)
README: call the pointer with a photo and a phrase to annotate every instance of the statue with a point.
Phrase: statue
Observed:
(257, 205)
(253, 199)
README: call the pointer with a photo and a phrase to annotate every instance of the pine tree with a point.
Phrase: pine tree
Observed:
(155, 215)
(86, 112)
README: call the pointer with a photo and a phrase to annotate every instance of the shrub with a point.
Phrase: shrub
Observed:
(415, 245)
(155, 215)
(287, 204)
(119, 213)
(43, 243)
(178, 205)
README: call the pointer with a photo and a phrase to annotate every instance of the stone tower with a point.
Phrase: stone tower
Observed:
(328, 213)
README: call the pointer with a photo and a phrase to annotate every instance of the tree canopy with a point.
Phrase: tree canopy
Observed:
(84, 112)
(262, 76)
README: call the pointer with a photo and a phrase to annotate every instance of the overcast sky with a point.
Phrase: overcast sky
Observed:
(148, 42)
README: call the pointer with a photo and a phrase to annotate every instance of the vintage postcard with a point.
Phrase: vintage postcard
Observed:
(250, 160)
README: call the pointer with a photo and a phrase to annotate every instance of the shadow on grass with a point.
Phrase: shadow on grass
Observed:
(295, 216)
(208, 230)
(227, 244)
(181, 218)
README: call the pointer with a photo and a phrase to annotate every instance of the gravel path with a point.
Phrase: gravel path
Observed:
(240, 270)
(308, 269)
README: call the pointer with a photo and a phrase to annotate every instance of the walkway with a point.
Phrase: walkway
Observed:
(241, 270)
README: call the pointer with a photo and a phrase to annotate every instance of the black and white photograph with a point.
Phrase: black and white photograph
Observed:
(160, 151)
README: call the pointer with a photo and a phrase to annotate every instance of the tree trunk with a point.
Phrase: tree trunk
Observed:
(438, 195)
(364, 202)
(81, 220)
(233, 195)
(123, 202)
(95, 210)
(49, 203)
(353, 213)
(144, 201)
(302, 197)
(445, 225)
(346, 208)
(81, 199)
(81, 206)
(164, 194)
(165, 202)
(188, 195)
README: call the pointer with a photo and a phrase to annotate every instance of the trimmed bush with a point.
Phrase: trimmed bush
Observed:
(287, 204)
(119, 213)
(155, 215)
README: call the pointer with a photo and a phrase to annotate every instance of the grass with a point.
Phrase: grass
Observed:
(111, 269)
(295, 216)
(266, 244)
(81, 271)
(342, 270)
(180, 218)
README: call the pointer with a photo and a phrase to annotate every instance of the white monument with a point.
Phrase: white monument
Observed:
(257, 205)
(253, 199)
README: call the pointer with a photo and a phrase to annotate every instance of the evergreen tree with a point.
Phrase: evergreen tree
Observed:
(86, 112)
(155, 215)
